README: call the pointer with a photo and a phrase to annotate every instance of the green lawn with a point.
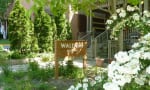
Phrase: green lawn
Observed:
(4, 41)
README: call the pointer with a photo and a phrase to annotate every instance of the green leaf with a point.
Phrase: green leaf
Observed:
(134, 2)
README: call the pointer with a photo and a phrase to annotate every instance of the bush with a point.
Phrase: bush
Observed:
(17, 55)
(35, 72)
(20, 29)
(1, 48)
(6, 70)
(70, 71)
(4, 55)
(44, 29)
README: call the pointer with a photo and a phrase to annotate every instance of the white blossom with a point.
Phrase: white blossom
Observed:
(148, 22)
(135, 54)
(136, 45)
(121, 80)
(85, 86)
(140, 79)
(146, 55)
(107, 27)
(109, 21)
(122, 57)
(148, 69)
(112, 68)
(136, 17)
(111, 86)
(93, 82)
(118, 10)
(98, 78)
(122, 13)
(147, 36)
(79, 85)
(71, 87)
(85, 80)
(146, 13)
(129, 8)
(133, 66)
(114, 17)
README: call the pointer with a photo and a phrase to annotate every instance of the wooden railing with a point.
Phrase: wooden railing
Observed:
(85, 36)
(104, 47)
(100, 43)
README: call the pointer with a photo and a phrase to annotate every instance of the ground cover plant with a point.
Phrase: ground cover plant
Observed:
(37, 77)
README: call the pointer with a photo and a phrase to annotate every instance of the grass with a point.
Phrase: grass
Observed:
(4, 41)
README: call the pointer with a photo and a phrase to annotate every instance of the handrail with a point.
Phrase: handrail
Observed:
(85, 36)
(100, 41)
(102, 37)
(104, 47)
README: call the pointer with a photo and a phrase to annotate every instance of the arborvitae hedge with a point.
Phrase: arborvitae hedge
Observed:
(63, 27)
(19, 29)
(44, 29)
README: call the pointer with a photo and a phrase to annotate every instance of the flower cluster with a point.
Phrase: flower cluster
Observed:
(128, 18)
(130, 70)
(131, 67)
(94, 83)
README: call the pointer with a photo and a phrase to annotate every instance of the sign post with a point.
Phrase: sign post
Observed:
(72, 48)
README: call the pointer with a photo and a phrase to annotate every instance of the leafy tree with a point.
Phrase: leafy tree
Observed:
(56, 5)
(45, 30)
(3, 7)
(63, 27)
(134, 2)
(59, 8)
(19, 29)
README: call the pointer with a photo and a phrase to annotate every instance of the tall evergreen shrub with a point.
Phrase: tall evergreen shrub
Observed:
(19, 29)
(63, 27)
(44, 29)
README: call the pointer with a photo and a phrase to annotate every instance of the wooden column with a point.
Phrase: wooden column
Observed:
(125, 3)
(112, 6)
(121, 41)
(84, 64)
(56, 67)
(146, 4)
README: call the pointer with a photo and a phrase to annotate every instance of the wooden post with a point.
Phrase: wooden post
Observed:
(109, 50)
(56, 68)
(84, 63)
(112, 6)
(56, 61)
(121, 41)
(146, 4)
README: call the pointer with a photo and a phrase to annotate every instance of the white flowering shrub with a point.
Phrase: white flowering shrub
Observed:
(130, 70)
(131, 17)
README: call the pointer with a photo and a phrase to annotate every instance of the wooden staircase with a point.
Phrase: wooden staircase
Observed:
(104, 47)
